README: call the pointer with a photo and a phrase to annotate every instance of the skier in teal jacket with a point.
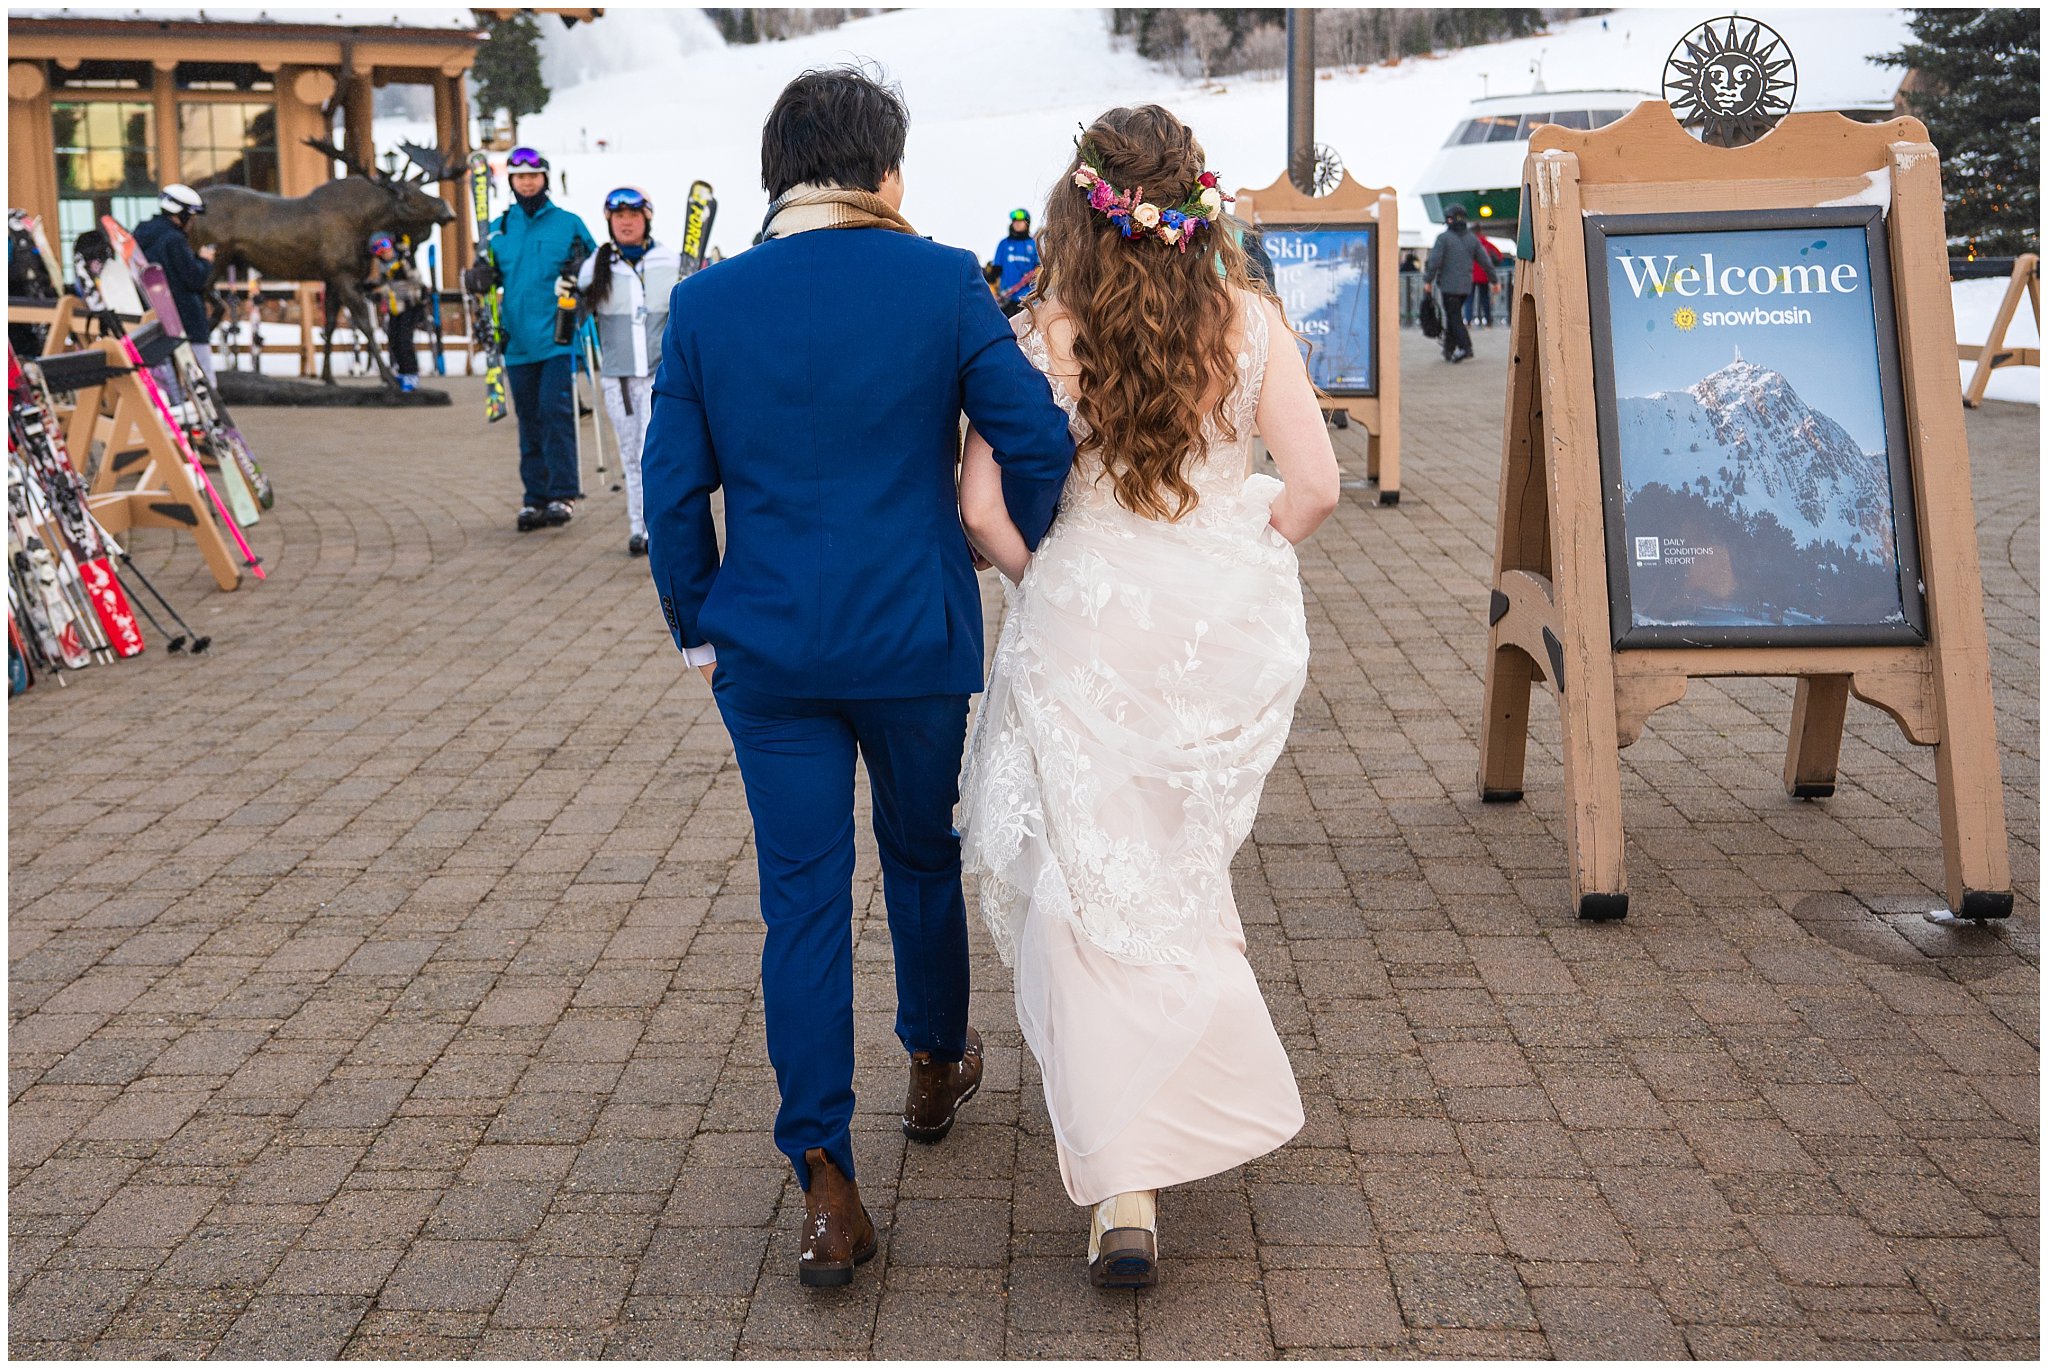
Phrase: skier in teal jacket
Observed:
(533, 244)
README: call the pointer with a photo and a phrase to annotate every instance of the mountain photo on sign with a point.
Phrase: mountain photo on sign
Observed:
(1324, 277)
(1751, 449)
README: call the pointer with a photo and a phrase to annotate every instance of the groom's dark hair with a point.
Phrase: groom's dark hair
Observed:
(843, 126)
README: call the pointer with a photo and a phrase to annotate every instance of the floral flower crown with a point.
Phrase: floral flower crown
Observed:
(1134, 216)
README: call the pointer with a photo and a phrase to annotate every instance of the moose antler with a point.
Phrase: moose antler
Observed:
(347, 159)
(434, 164)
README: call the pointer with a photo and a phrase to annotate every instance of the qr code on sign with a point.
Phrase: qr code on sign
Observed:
(1649, 549)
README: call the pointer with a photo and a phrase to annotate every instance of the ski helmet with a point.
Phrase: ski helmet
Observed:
(179, 198)
(1022, 216)
(629, 197)
(379, 241)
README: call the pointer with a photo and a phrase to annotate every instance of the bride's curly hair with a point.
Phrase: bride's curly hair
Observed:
(1151, 321)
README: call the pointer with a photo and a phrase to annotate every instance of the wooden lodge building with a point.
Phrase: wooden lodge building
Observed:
(105, 106)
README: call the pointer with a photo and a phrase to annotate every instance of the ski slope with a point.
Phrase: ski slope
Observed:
(654, 98)
(996, 95)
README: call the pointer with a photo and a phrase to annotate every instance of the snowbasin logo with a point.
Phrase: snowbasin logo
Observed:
(1649, 549)
(1686, 319)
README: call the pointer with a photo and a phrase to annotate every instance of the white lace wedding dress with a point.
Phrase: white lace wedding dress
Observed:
(1143, 686)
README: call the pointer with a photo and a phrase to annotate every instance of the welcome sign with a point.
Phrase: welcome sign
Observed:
(1327, 280)
(1751, 429)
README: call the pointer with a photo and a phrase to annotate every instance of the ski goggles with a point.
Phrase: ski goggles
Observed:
(1020, 216)
(628, 197)
(527, 158)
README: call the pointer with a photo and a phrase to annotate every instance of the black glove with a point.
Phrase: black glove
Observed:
(481, 278)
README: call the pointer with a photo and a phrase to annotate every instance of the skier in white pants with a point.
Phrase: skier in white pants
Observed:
(626, 284)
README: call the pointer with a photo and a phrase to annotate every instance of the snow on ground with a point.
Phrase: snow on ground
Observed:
(1976, 305)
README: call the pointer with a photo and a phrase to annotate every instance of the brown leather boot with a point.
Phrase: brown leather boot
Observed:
(938, 1089)
(837, 1233)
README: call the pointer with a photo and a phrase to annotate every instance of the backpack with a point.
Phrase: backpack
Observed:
(1428, 318)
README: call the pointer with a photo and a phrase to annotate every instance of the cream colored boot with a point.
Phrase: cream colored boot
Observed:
(1123, 1241)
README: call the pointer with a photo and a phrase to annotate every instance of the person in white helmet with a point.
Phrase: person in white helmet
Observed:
(164, 241)
(626, 283)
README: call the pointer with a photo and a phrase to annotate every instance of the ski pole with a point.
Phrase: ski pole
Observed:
(597, 393)
(171, 642)
(199, 643)
(433, 278)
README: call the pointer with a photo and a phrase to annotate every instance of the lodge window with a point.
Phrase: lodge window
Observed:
(105, 154)
(228, 142)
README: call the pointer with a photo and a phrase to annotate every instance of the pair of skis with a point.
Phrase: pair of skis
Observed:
(59, 582)
(698, 216)
(485, 326)
(57, 501)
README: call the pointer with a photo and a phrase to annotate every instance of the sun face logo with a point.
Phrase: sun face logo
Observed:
(1684, 319)
(1729, 83)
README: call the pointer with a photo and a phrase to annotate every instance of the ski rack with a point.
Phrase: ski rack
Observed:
(142, 480)
(1549, 614)
(66, 318)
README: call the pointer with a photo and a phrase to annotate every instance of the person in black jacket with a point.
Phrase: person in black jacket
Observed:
(1454, 260)
(163, 240)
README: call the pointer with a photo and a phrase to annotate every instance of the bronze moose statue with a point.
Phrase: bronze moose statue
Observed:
(325, 235)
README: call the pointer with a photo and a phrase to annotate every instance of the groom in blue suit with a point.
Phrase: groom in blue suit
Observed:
(818, 379)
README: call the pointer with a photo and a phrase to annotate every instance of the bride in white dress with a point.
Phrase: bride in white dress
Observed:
(1144, 682)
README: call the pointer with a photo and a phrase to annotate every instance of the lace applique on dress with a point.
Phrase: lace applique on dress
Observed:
(1143, 686)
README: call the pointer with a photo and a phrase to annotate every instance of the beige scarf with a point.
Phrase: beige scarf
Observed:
(805, 207)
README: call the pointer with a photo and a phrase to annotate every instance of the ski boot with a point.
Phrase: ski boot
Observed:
(407, 384)
(531, 517)
(557, 514)
(636, 545)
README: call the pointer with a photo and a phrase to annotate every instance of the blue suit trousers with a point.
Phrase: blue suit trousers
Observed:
(796, 758)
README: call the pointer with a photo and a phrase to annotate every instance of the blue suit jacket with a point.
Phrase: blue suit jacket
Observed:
(819, 380)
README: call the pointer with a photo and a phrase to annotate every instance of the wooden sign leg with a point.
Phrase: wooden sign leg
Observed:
(1977, 870)
(1987, 355)
(1386, 456)
(1519, 544)
(1581, 651)
(1820, 706)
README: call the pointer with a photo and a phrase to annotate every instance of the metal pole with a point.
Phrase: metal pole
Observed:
(1301, 99)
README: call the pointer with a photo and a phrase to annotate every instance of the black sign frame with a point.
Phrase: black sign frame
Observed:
(1626, 633)
(1371, 230)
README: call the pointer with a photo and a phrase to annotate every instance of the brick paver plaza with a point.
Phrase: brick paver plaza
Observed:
(385, 983)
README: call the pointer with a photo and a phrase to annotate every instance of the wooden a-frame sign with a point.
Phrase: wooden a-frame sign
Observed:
(1281, 207)
(1550, 612)
(1992, 353)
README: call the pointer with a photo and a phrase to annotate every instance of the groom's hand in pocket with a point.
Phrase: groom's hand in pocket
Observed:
(707, 670)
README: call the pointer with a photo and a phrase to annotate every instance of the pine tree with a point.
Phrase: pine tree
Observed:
(507, 70)
(1977, 87)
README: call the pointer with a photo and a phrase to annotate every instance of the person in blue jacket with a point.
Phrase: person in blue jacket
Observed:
(531, 246)
(843, 619)
(1016, 257)
(164, 240)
